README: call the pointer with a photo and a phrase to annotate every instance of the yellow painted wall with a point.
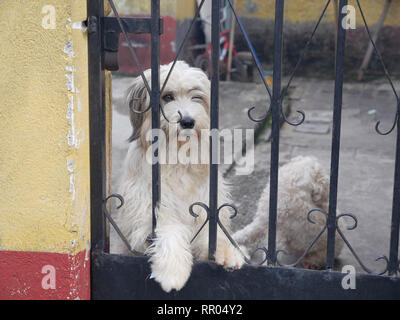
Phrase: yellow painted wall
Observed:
(44, 127)
(309, 10)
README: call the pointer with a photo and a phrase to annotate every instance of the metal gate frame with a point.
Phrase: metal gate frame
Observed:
(127, 277)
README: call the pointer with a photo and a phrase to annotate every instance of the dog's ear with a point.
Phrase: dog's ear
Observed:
(137, 100)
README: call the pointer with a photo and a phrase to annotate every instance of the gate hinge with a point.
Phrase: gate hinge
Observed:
(92, 24)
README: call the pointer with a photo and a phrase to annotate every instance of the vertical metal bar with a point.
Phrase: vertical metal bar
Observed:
(337, 114)
(214, 124)
(275, 114)
(155, 105)
(394, 232)
(97, 124)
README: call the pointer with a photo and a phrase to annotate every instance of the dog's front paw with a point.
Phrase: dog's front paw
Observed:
(229, 257)
(171, 278)
(171, 282)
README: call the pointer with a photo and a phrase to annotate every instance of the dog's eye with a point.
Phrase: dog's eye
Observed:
(168, 97)
(197, 98)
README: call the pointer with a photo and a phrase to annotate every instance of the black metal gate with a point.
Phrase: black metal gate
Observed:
(127, 277)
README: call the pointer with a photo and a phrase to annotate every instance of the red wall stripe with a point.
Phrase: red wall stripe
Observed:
(42, 275)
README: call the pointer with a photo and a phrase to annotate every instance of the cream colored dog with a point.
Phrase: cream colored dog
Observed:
(171, 253)
(303, 186)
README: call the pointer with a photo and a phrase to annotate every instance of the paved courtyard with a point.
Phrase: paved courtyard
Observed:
(366, 166)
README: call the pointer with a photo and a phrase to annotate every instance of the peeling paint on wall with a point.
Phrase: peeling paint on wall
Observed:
(69, 49)
(70, 78)
(70, 165)
(79, 25)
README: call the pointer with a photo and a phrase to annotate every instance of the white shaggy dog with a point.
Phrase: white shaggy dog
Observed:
(303, 186)
(171, 253)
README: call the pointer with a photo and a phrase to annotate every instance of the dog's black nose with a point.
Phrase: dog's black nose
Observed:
(187, 123)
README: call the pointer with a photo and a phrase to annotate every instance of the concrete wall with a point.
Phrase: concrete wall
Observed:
(44, 138)
(298, 11)
(300, 18)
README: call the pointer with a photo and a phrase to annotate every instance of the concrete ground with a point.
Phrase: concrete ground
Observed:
(366, 159)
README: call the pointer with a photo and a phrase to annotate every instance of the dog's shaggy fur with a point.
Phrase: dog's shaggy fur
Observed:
(303, 186)
(171, 253)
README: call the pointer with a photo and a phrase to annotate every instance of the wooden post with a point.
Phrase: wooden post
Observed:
(231, 42)
(368, 54)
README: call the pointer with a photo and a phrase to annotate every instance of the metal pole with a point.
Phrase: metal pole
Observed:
(97, 124)
(337, 113)
(214, 124)
(275, 111)
(155, 105)
(393, 266)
